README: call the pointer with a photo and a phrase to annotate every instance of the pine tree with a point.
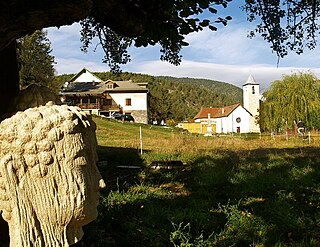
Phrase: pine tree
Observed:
(36, 63)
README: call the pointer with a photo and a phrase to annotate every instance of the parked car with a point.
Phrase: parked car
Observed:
(116, 116)
(123, 117)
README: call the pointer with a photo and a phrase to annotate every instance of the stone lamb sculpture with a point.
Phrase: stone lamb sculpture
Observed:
(49, 181)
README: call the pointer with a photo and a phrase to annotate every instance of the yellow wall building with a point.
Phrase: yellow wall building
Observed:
(197, 128)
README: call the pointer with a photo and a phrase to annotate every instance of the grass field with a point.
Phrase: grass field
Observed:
(230, 191)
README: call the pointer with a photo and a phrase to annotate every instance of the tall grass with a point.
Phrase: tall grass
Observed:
(231, 191)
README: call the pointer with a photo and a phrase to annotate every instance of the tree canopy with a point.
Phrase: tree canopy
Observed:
(294, 98)
(286, 24)
(162, 22)
(115, 22)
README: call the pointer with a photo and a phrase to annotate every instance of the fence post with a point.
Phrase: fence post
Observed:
(140, 140)
(287, 137)
(309, 137)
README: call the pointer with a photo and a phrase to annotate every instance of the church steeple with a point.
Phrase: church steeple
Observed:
(250, 81)
(251, 101)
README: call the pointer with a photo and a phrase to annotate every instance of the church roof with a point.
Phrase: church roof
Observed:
(251, 81)
(216, 112)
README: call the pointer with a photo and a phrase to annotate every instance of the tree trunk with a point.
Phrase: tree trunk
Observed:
(9, 76)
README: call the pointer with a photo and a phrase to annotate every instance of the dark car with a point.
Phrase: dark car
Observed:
(123, 117)
(116, 116)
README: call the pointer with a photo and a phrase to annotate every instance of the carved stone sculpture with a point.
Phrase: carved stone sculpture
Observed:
(49, 181)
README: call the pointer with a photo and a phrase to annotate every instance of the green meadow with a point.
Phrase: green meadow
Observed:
(189, 190)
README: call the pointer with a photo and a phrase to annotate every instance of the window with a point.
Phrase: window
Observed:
(238, 120)
(110, 86)
(128, 101)
(253, 91)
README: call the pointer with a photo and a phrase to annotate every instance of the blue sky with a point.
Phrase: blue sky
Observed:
(226, 55)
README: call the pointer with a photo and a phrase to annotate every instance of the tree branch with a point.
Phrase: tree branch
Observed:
(21, 17)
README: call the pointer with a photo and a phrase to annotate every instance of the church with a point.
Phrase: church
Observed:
(234, 118)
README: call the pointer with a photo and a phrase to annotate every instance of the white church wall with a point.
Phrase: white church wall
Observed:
(240, 118)
(219, 125)
(230, 124)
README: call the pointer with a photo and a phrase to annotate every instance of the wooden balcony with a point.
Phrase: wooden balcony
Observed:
(110, 107)
(100, 107)
(89, 106)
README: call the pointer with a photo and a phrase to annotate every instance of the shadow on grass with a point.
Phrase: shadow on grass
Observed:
(265, 196)
(114, 165)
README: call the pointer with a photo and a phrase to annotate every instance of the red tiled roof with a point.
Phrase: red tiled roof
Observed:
(216, 112)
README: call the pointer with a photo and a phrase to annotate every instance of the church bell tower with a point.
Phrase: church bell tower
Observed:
(251, 101)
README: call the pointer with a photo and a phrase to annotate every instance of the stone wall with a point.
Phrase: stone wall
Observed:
(140, 116)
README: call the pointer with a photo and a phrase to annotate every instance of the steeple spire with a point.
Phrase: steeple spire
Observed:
(250, 81)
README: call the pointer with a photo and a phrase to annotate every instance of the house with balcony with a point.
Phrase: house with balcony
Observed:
(99, 97)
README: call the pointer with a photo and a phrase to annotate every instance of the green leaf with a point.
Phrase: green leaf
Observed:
(213, 10)
(213, 28)
(204, 23)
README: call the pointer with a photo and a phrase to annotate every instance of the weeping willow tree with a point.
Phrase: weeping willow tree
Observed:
(294, 98)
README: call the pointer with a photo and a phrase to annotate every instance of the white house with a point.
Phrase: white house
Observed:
(100, 97)
(235, 118)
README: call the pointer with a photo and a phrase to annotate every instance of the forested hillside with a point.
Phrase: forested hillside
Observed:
(176, 98)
